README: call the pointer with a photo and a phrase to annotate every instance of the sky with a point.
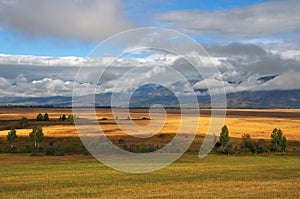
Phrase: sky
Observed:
(43, 43)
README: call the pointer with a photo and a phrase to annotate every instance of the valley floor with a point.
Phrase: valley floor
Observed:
(215, 176)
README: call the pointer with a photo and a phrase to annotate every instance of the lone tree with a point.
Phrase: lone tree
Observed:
(24, 122)
(224, 136)
(36, 136)
(278, 141)
(39, 117)
(46, 117)
(12, 136)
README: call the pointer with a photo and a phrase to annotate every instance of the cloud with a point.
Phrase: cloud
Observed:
(241, 66)
(286, 81)
(83, 19)
(259, 20)
(22, 87)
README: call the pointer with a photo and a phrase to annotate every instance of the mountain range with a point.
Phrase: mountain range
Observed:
(148, 95)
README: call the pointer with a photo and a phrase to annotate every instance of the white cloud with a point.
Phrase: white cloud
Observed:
(87, 20)
(241, 66)
(259, 20)
(21, 87)
(286, 81)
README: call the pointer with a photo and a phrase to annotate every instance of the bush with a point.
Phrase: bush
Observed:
(75, 148)
(24, 122)
(261, 146)
(247, 144)
(230, 148)
(55, 149)
(121, 141)
(218, 145)
(36, 152)
(134, 148)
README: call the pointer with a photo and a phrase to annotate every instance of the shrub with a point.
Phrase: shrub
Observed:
(261, 146)
(230, 148)
(24, 122)
(247, 144)
(121, 141)
(134, 148)
(218, 145)
(55, 149)
(36, 152)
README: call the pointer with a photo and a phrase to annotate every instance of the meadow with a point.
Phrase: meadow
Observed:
(215, 176)
(257, 123)
(79, 175)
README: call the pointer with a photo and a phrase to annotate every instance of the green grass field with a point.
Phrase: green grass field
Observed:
(216, 176)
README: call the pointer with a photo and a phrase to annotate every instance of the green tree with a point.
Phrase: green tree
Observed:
(46, 117)
(24, 122)
(71, 118)
(39, 117)
(36, 136)
(278, 141)
(63, 117)
(12, 136)
(224, 136)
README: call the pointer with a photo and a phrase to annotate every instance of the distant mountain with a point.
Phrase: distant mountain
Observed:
(148, 95)
(267, 78)
(265, 99)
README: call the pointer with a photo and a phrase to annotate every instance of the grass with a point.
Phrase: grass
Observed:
(216, 176)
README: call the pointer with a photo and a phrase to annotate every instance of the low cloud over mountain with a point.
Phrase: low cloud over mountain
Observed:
(243, 67)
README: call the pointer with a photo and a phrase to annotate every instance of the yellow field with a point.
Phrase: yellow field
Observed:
(238, 122)
(257, 127)
(75, 175)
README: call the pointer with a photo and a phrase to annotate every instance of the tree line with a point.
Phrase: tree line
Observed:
(40, 118)
(35, 136)
(278, 143)
(223, 144)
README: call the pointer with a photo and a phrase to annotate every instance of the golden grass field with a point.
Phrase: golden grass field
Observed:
(215, 176)
(257, 123)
